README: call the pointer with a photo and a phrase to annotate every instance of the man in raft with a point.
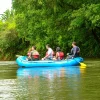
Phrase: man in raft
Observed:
(49, 53)
(75, 51)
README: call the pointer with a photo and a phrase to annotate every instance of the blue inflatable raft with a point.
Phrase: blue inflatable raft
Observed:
(23, 62)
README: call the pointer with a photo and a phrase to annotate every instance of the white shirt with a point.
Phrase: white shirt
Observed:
(50, 53)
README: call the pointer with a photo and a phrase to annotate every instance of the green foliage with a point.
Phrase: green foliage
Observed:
(86, 22)
(8, 35)
(59, 22)
(54, 22)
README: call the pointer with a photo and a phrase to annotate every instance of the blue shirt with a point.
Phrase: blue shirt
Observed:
(75, 51)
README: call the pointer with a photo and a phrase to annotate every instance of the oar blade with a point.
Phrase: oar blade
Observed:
(18, 55)
(83, 65)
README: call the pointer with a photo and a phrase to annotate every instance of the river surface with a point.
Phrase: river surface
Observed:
(59, 83)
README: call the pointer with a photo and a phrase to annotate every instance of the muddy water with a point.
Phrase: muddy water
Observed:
(59, 83)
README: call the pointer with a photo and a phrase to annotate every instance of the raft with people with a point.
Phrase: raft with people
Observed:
(23, 62)
(49, 60)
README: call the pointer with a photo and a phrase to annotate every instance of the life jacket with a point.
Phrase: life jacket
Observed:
(60, 55)
(35, 54)
(47, 53)
(50, 56)
(29, 54)
(75, 51)
(53, 53)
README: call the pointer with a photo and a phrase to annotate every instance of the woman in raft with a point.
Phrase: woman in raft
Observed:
(33, 54)
(59, 54)
(29, 54)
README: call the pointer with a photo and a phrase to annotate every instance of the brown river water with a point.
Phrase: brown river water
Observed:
(60, 83)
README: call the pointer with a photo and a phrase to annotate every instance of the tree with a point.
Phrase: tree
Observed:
(58, 22)
(85, 22)
(8, 35)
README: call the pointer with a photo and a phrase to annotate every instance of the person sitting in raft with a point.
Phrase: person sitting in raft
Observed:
(75, 51)
(49, 53)
(59, 54)
(29, 54)
(34, 54)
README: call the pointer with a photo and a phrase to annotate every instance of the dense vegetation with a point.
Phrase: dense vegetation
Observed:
(54, 22)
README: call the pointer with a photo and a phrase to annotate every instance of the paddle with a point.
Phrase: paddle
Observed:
(18, 55)
(82, 64)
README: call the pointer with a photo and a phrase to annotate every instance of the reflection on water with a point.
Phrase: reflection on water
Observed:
(60, 83)
(49, 83)
(49, 72)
